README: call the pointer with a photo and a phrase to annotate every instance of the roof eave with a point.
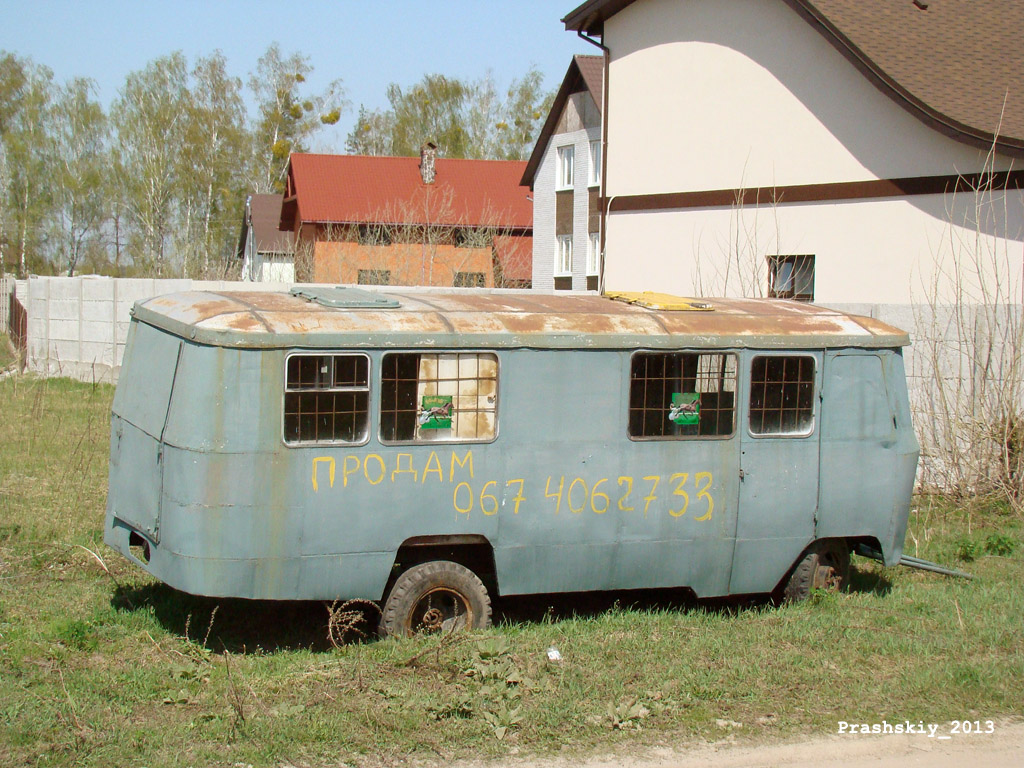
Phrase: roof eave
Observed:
(936, 120)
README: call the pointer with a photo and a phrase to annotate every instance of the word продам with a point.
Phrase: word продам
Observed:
(561, 492)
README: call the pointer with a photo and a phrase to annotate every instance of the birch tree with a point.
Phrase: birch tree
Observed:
(212, 188)
(287, 117)
(150, 117)
(25, 94)
(463, 118)
(80, 191)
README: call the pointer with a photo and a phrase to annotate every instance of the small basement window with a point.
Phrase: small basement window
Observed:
(439, 397)
(676, 395)
(791, 277)
(326, 399)
(782, 395)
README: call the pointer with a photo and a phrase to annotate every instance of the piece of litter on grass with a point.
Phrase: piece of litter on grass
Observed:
(553, 654)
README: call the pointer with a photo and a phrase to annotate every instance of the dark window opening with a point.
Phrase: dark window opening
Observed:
(791, 277)
(782, 395)
(374, 234)
(431, 397)
(470, 237)
(470, 280)
(682, 394)
(374, 277)
(326, 399)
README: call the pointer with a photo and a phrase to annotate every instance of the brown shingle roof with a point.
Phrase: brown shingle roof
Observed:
(265, 212)
(956, 64)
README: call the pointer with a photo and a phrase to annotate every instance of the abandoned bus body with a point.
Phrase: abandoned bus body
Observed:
(431, 449)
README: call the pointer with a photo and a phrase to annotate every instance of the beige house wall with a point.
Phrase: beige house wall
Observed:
(705, 95)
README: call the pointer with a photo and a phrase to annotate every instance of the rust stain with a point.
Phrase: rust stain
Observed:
(244, 321)
(470, 312)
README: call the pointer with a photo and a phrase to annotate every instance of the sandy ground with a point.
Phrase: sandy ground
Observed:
(1002, 749)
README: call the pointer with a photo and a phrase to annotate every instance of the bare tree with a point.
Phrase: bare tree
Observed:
(969, 340)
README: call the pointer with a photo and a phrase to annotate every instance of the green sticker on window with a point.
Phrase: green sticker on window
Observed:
(435, 412)
(685, 410)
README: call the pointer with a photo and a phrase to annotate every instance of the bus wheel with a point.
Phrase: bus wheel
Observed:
(439, 596)
(826, 565)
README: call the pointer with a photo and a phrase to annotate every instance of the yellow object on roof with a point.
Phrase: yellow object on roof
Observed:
(655, 300)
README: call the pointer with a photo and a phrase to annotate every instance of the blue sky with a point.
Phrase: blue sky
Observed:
(366, 44)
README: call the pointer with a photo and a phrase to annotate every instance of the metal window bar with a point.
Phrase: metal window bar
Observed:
(470, 379)
(326, 399)
(782, 395)
(655, 377)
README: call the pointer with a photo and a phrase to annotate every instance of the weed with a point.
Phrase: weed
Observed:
(967, 549)
(1000, 544)
(627, 713)
(77, 634)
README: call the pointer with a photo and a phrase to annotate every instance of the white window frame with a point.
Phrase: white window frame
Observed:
(565, 168)
(593, 254)
(595, 163)
(563, 255)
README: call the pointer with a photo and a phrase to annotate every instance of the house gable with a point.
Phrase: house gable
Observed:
(576, 106)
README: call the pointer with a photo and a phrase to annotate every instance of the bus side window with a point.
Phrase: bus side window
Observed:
(438, 397)
(678, 395)
(326, 398)
(782, 395)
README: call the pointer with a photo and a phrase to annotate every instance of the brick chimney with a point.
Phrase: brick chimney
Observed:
(428, 154)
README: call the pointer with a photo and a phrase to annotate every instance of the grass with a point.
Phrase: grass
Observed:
(7, 354)
(103, 668)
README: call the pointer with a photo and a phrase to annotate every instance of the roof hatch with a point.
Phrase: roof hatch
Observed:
(344, 297)
(654, 300)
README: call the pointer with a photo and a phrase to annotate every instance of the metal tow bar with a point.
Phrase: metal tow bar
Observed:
(912, 562)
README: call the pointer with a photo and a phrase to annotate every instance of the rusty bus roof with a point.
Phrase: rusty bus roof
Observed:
(470, 318)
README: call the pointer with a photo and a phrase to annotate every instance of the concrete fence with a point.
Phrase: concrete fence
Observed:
(78, 326)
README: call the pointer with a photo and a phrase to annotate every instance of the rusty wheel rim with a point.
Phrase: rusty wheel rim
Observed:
(440, 609)
(827, 576)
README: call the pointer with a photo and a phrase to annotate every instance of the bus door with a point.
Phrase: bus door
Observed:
(779, 434)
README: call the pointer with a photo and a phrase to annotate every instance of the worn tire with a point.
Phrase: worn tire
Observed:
(825, 565)
(438, 596)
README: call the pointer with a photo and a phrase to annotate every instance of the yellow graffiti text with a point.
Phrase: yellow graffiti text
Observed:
(330, 470)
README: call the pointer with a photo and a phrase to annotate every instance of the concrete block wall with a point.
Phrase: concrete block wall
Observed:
(78, 326)
(6, 289)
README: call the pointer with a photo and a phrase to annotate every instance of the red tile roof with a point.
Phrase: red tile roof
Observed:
(357, 188)
(958, 65)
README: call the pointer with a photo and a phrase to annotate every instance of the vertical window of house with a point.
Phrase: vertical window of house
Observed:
(431, 397)
(676, 395)
(563, 258)
(791, 277)
(326, 398)
(782, 395)
(593, 253)
(595, 163)
(566, 160)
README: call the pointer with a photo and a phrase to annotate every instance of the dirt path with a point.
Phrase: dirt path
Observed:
(1002, 749)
